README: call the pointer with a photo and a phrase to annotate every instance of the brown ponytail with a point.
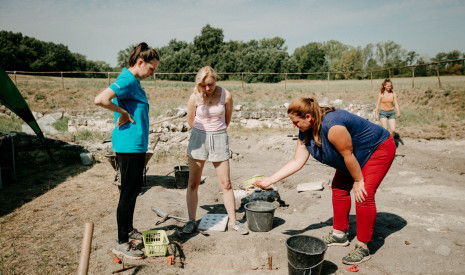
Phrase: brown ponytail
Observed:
(302, 106)
(142, 51)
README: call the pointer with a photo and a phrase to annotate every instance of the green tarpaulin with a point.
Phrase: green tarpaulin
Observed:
(13, 100)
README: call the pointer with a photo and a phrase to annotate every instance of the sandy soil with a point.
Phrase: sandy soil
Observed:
(419, 229)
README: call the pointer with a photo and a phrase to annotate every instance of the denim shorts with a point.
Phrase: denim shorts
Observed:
(211, 146)
(387, 114)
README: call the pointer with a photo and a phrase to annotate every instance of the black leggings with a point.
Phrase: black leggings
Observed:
(132, 171)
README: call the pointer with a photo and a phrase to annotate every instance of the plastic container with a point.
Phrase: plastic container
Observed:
(86, 158)
(305, 254)
(181, 175)
(260, 215)
(155, 243)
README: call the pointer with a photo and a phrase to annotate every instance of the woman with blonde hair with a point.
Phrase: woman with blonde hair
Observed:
(385, 113)
(209, 112)
(360, 151)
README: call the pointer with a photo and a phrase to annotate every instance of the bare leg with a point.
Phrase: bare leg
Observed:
(384, 122)
(222, 172)
(192, 195)
(392, 126)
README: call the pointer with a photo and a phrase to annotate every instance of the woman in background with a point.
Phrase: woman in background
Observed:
(209, 112)
(388, 100)
(126, 98)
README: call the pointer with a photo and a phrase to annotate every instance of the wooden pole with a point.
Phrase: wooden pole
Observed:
(109, 79)
(154, 81)
(285, 82)
(389, 73)
(62, 82)
(371, 81)
(413, 77)
(328, 82)
(85, 249)
(242, 82)
(439, 79)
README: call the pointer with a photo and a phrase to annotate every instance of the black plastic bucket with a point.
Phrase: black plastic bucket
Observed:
(305, 254)
(260, 215)
(181, 176)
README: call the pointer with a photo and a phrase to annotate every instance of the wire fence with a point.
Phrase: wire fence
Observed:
(436, 69)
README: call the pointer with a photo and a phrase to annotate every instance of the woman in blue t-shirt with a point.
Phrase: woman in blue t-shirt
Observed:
(127, 99)
(360, 151)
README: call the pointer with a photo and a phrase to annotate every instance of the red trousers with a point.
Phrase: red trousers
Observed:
(373, 172)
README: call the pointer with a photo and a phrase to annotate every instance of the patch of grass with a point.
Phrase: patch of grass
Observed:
(87, 135)
(9, 123)
(61, 124)
(39, 96)
(446, 93)
(415, 117)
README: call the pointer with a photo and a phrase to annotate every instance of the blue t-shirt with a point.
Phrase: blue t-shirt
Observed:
(130, 138)
(366, 137)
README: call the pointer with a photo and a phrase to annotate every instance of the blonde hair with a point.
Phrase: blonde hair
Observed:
(382, 89)
(303, 106)
(202, 74)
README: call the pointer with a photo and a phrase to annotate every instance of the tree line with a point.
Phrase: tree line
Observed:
(24, 53)
(268, 55)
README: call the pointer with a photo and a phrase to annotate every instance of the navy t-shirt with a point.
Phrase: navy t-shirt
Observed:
(366, 137)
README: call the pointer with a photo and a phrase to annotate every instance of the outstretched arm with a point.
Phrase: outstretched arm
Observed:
(295, 164)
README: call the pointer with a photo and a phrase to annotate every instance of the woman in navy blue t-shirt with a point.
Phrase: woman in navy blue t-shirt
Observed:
(360, 151)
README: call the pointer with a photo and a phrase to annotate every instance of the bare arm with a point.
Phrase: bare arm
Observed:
(396, 103)
(191, 107)
(228, 106)
(104, 100)
(295, 164)
(377, 106)
(342, 141)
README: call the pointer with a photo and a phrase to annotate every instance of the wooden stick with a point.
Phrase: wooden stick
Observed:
(85, 249)
(171, 118)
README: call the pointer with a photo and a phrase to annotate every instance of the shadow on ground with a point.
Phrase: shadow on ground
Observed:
(386, 224)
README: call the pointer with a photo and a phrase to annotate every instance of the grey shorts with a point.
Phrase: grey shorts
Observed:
(211, 146)
(387, 114)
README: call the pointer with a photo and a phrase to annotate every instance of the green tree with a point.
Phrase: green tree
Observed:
(208, 44)
(350, 61)
(333, 50)
(390, 54)
(311, 59)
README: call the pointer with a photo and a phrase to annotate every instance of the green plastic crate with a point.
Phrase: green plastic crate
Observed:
(155, 242)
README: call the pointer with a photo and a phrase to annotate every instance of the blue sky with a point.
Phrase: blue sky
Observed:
(99, 29)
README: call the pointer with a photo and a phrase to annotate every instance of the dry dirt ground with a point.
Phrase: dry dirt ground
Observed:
(419, 229)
